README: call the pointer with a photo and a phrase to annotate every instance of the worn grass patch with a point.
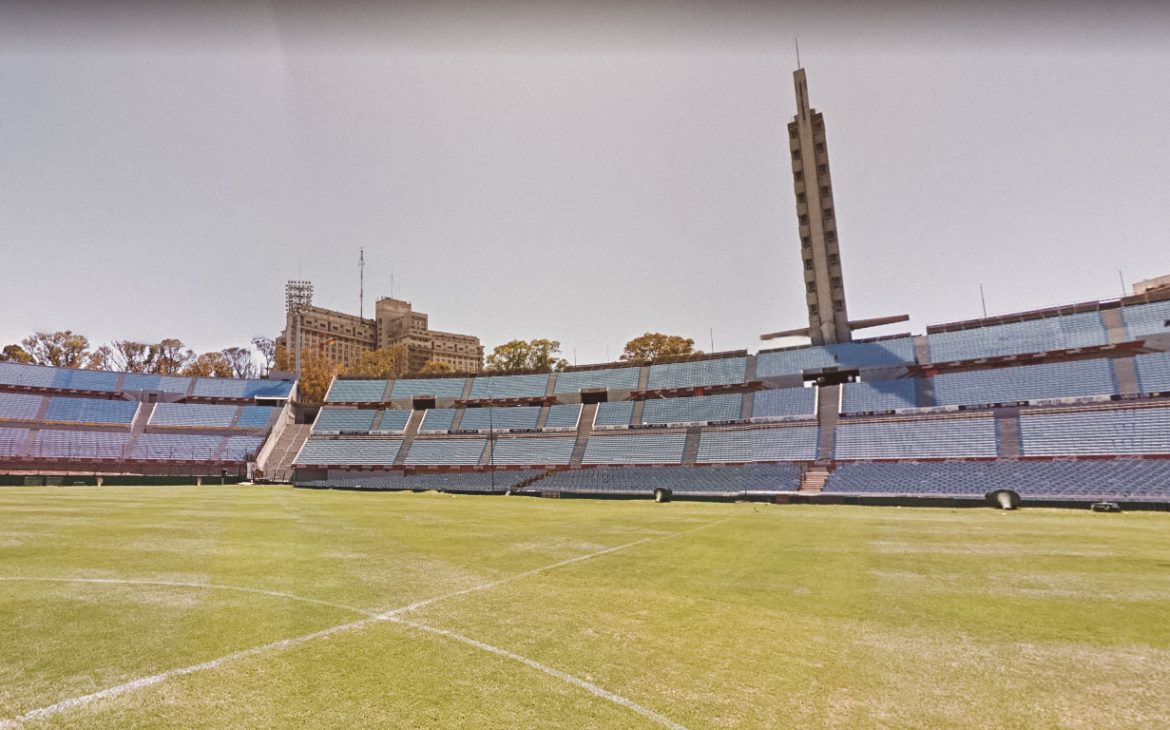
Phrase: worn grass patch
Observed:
(148, 607)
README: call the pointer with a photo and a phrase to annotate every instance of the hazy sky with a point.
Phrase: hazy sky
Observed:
(584, 172)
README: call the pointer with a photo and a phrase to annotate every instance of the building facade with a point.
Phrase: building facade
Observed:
(343, 337)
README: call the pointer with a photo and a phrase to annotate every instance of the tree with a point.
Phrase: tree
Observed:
(242, 363)
(167, 357)
(130, 356)
(266, 348)
(100, 359)
(282, 359)
(15, 353)
(208, 365)
(59, 349)
(434, 367)
(388, 362)
(655, 345)
(518, 355)
(317, 373)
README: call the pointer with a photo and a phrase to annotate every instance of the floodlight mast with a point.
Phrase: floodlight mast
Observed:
(297, 296)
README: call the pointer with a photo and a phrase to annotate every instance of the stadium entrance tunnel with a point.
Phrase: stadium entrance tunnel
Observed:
(1003, 498)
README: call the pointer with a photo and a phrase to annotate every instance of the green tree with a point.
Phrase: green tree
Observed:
(15, 353)
(388, 362)
(655, 345)
(435, 367)
(518, 355)
(168, 357)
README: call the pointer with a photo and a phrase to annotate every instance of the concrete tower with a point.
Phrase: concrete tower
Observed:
(828, 319)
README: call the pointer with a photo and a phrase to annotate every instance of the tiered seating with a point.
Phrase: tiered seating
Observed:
(884, 353)
(1134, 479)
(232, 388)
(797, 443)
(66, 444)
(36, 376)
(533, 450)
(19, 406)
(693, 409)
(344, 420)
(1143, 320)
(611, 379)
(437, 420)
(722, 371)
(393, 421)
(500, 419)
(783, 402)
(193, 415)
(709, 481)
(1037, 335)
(12, 441)
(446, 481)
(239, 448)
(177, 447)
(563, 417)
(63, 409)
(256, 417)
(1153, 372)
(356, 391)
(876, 396)
(430, 387)
(366, 452)
(653, 448)
(450, 452)
(136, 382)
(1079, 378)
(496, 387)
(931, 438)
(617, 413)
(1099, 432)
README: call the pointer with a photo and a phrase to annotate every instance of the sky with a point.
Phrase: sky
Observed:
(580, 171)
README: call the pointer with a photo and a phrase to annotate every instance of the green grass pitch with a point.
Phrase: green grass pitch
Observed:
(274, 607)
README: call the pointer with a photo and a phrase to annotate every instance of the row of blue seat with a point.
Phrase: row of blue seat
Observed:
(120, 445)
(50, 378)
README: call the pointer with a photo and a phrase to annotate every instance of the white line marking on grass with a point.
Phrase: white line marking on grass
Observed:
(185, 584)
(589, 687)
(371, 618)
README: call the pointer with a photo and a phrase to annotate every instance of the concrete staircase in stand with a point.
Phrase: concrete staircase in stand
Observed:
(288, 445)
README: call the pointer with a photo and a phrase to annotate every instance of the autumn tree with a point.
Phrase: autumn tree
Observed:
(388, 362)
(435, 367)
(15, 353)
(655, 345)
(243, 365)
(208, 365)
(520, 355)
(317, 373)
(59, 349)
(168, 357)
(101, 358)
(282, 359)
(130, 356)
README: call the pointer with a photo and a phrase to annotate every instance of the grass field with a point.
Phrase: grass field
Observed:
(274, 607)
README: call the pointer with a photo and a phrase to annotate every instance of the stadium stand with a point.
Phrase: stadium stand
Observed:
(882, 353)
(1063, 332)
(356, 391)
(19, 406)
(437, 420)
(693, 409)
(643, 448)
(500, 419)
(796, 443)
(917, 439)
(193, 415)
(344, 420)
(618, 413)
(496, 387)
(177, 447)
(138, 382)
(393, 421)
(878, 396)
(612, 379)
(1128, 479)
(239, 389)
(532, 450)
(680, 480)
(1143, 320)
(350, 452)
(1075, 379)
(1153, 372)
(445, 481)
(67, 444)
(783, 403)
(719, 371)
(12, 441)
(446, 452)
(63, 409)
(432, 387)
(1096, 432)
(563, 417)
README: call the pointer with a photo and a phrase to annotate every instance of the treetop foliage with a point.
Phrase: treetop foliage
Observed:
(655, 345)
(538, 355)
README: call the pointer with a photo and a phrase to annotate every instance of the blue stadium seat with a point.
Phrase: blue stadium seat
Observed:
(563, 417)
(446, 451)
(693, 409)
(553, 450)
(12, 441)
(1014, 338)
(1099, 432)
(72, 444)
(791, 443)
(927, 438)
(495, 387)
(90, 410)
(356, 391)
(877, 396)
(193, 415)
(344, 420)
(135, 382)
(500, 419)
(430, 387)
(783, 403)
(1143, 320)
(19, 406)
(356, 451)
(393, 421)
(611, 379)
(642, 448)
(1076, 379)
(617, 413)
(437, 420)
(884, 353)
(722, 371)
(1153, 372)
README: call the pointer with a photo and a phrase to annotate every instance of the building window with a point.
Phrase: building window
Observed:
(808, 264)
(804, 220)
(806, 242)
(796, 155)
(800, 198)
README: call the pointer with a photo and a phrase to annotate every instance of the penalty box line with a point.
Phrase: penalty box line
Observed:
(392, 615)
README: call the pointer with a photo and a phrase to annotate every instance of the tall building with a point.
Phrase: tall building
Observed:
(344, 337)
(828, 317)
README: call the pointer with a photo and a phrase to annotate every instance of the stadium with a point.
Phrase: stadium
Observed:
(705, 540)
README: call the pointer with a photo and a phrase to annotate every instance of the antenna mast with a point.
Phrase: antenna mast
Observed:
(362, 283)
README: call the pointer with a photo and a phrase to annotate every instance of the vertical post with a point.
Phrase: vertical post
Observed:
(983, 300)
